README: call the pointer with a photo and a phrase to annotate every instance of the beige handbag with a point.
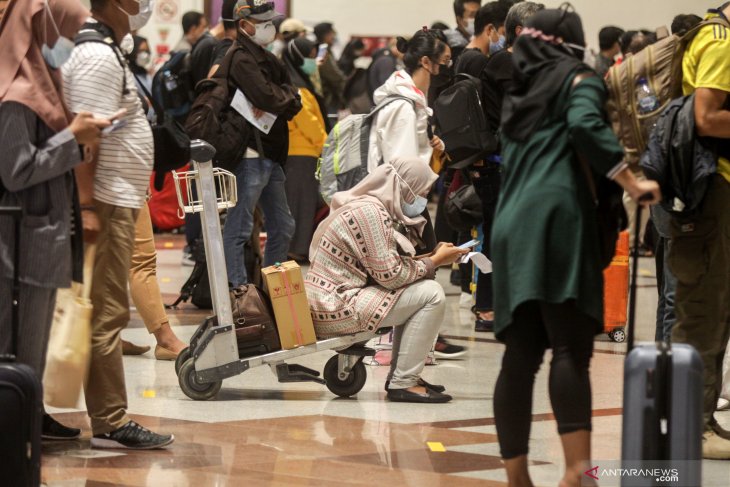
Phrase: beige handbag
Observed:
(69, 346)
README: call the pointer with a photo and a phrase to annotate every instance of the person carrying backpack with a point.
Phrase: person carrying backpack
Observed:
(266, 83)
(402, 128)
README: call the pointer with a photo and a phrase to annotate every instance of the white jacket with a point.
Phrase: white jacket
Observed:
(398, 130)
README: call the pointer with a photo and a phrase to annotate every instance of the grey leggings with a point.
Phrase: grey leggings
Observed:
(416, 318)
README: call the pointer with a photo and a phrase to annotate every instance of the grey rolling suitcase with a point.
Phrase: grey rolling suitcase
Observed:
(663, 403)
(21, 400)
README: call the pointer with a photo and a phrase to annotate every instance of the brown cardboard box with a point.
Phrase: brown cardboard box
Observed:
(285, 286)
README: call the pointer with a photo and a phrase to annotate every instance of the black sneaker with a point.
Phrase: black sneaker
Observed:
(53, 430)
(446, 350)
(132, 436)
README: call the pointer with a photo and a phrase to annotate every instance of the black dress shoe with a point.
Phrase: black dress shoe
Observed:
(422, 383)
(404, 395)
(53, 430)
(484, 325)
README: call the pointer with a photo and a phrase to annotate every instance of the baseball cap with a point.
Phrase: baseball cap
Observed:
(255, 9)
(293, 26)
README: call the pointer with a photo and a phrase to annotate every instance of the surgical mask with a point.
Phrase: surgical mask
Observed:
(470, 27)
(143, 59)
(265, 34)
(495, 47)
(146, 7)
(412, 210)
(310, 66)
(277, 47)
(57, 55)
(578, 51)
(127, 44)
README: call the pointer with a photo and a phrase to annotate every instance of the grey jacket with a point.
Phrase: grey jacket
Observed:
(36, 174)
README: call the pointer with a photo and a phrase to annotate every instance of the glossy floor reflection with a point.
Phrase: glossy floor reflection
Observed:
(258, 432)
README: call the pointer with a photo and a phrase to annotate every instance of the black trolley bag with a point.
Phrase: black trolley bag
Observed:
(662, 406)
(21, 399)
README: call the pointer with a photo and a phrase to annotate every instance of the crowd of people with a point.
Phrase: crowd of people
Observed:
(75, 114)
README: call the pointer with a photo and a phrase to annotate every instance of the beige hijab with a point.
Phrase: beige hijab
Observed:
(26, 78)
(385, 186)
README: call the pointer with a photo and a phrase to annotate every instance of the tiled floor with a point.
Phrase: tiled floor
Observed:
(259, 432)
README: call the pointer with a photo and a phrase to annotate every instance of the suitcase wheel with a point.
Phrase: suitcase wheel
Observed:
(351, 385)
(191, 387)
(618, 335)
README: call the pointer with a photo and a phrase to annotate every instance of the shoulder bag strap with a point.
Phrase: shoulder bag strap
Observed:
(584, 165)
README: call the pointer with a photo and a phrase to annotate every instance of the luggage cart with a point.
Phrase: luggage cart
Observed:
(213, 353)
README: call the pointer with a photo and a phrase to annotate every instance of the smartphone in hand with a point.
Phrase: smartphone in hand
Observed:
(322, 52)
(470, 244)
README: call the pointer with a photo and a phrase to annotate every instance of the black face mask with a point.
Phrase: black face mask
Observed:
(445, 76)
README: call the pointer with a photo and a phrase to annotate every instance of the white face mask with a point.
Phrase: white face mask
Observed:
(143, 59)
(60, 52)
(127, 44)
(265, 34)
(146, 7)
(139, 20)
(470, 26)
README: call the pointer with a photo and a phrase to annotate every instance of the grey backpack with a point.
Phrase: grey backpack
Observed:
(344, 161)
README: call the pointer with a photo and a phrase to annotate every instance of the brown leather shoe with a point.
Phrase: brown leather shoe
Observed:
(161, 353)
(129, 348)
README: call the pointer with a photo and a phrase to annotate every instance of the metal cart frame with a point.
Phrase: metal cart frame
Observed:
(213, 353)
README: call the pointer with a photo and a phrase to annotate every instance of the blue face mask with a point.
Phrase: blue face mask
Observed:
(61, 51)
(495, 47)
(412, 210)
(310, 66)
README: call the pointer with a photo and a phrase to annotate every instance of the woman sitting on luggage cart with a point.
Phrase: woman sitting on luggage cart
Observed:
(365, 275)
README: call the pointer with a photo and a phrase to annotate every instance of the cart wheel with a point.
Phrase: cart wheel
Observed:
(618, 335)
(348, 387)
(190, 386)
(182, 357)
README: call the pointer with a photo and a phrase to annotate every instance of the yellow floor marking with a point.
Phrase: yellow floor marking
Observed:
(436, 446)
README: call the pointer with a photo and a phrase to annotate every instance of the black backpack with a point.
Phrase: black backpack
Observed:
(461, 123)
(213, 120)
(172, 86)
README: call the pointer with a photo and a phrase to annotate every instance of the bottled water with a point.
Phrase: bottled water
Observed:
(645, 97)
(170, 81)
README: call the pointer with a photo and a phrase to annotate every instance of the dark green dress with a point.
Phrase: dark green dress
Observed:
(544, 238)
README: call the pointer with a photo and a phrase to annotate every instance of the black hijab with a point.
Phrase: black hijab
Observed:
(543, 60)
(293, 56)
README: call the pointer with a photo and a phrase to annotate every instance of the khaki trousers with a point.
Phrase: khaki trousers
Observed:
(105, 391)
(700, 259)
(143, 274)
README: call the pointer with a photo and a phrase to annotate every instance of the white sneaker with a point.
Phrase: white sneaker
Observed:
(466, 301)
(187, 260)
(715, 447)
(723, 404)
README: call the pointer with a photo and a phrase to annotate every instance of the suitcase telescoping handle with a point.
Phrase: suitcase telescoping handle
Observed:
(15, 212)
(635, 272)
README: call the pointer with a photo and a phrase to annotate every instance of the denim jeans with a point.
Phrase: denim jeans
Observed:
(259, 182)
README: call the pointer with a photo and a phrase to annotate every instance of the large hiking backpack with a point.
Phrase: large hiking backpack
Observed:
(460, 120)
(661, 65)
(172, 86)
(213, 120)
(344, 161)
